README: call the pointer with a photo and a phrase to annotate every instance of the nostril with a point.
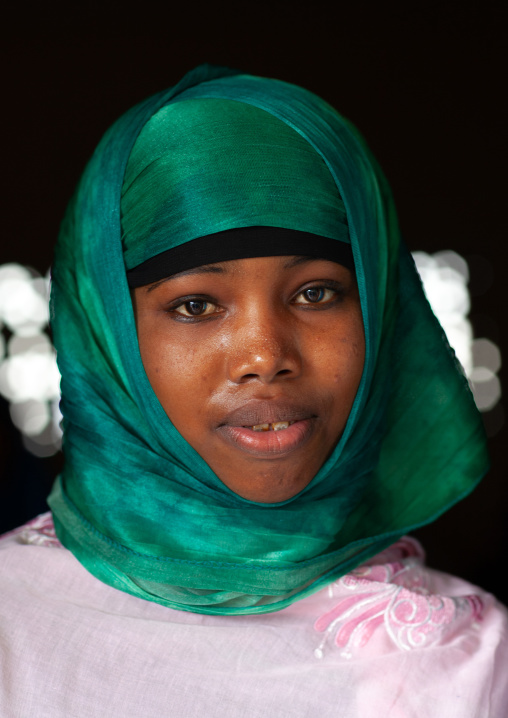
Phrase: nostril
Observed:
(264, 364)
(282, 372)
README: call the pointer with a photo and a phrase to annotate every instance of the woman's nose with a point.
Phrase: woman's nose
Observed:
(265, 351)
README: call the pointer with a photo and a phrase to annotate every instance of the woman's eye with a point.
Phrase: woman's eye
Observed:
(195, 308)
(316, 295)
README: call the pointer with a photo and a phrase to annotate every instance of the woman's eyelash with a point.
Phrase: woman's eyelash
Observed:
(198, 307)
(192, 307)
(318, 294)
(195, 308)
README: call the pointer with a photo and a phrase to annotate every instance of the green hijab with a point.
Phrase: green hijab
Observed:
(137, 506)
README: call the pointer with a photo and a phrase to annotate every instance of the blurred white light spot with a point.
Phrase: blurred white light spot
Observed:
(39, 343)
(41, 286)
(30, 417)
(446, 290)
(481, 373)
(460, 335)
(449, 258)
(23, 307)
(487, 392)
(30, 376)
(45, 444)
(13, 271)
(487, 354)
(444, 276)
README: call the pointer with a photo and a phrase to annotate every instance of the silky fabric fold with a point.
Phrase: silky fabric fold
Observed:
(200, 166)
(138, 507)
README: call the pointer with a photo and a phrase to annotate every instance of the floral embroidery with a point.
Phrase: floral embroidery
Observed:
(39, 531)
(394, 594)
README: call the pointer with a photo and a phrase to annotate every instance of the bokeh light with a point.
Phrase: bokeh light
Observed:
(29, 377)
(30, 381)
(445, 277)
(23, 300)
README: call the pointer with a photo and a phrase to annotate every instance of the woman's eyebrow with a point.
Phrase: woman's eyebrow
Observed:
(220, 269)
(203, 269)
(295, 261)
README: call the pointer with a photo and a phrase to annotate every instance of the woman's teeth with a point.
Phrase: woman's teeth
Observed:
(276, 426)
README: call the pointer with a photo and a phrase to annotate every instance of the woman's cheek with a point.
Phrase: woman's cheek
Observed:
(180, 374)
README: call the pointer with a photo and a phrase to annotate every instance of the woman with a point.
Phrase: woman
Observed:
(258, 404)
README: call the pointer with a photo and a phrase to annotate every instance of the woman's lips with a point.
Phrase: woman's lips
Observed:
(268, 411)
(269, 443)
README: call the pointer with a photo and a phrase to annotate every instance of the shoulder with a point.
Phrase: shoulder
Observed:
(390, 636)
(425, 641)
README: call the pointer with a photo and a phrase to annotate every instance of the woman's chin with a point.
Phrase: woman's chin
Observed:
(269, 478)
(268, 466)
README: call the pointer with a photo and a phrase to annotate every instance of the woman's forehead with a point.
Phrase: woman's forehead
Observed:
(240, 243)
(278, 264)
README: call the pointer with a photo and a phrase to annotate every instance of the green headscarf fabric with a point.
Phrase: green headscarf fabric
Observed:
(200, 166)
(137, 506)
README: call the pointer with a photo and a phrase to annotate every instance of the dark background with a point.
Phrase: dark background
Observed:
(424, 83)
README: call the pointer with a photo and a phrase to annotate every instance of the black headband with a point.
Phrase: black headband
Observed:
(241, 243)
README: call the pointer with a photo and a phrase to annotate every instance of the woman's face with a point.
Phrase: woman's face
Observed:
(257, 363)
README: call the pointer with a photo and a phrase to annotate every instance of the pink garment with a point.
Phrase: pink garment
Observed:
(390, 639)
